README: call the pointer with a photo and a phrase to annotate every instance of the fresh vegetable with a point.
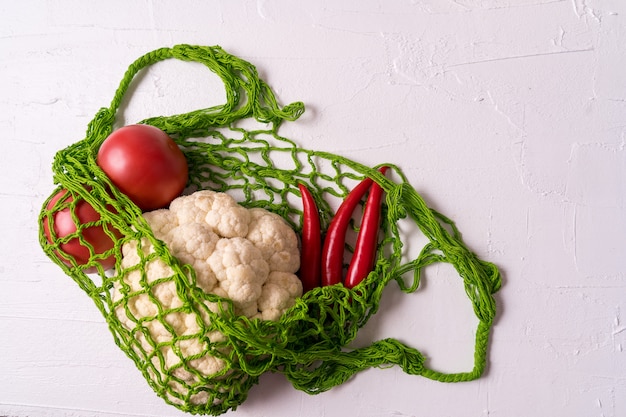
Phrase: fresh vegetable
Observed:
(145, 164)
(334, 243)
(248, 256)
(367, 240)
(310, 259)
(79, 223)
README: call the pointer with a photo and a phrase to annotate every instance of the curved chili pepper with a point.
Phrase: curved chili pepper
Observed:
(367, 240)
(332, 253)
(311, 242)
(334, 244)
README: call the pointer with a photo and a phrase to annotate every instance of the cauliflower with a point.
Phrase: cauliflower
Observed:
(248, 256)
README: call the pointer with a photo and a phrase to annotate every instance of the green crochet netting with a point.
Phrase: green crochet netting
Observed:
(310, 342)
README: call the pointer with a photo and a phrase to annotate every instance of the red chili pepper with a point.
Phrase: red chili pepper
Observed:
(367, 240)
(310, 258)
(332, 253)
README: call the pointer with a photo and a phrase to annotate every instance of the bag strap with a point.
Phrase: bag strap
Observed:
(247, 95)
(481, 280)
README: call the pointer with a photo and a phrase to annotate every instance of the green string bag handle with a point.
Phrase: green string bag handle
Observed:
(310, 344)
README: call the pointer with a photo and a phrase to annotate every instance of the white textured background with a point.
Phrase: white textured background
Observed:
(509, 116)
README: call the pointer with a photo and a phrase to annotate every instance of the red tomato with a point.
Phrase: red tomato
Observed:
(63, 225)
(145, 164)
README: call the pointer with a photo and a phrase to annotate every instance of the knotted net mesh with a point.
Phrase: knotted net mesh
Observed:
(209, 366)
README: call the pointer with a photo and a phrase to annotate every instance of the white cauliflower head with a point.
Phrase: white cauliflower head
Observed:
(248, 256)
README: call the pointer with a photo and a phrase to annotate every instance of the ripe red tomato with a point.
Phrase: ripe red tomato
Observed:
(145, 164)
(63, 225)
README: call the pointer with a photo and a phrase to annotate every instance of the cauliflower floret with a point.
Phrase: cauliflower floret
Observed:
(165, 292)
(193, 244)
(278, 244)
(279, 291)
(218, 210)
(248, 256)
(240, 269)
(192, 210)
(161, 222)
(143, 304)
(228, 218)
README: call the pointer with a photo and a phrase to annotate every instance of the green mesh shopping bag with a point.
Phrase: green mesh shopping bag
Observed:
(211, 369)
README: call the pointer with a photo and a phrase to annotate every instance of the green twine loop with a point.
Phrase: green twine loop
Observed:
(309, 343)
